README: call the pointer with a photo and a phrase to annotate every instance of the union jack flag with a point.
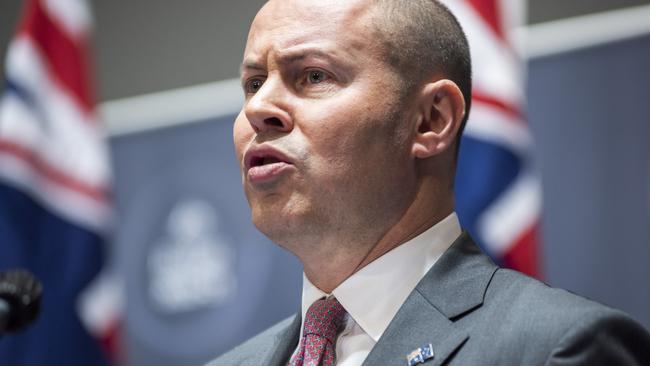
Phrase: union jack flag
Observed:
(498, 194)
(54, 179)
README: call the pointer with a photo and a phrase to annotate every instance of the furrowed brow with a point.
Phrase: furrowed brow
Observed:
(288, 58)
(299, 55)
(250, 66)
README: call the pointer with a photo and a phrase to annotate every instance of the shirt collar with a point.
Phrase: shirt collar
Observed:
(373, 295)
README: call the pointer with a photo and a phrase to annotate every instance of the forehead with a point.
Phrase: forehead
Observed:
(333, 24)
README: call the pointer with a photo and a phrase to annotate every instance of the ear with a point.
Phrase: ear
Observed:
(441, 111)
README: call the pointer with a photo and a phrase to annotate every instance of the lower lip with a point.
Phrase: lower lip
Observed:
(268, 172)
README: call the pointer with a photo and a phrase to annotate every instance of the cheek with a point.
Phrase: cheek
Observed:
(355, 132)
(367, 154)
(346, 150)
(333, 145)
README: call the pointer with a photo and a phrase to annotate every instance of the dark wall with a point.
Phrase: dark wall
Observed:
(590, 117)
(545, 10)
(144, 46)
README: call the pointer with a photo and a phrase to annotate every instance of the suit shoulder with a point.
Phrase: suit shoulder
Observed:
(608, 337)
(527, 309)
(547, 309)
(558, 326)
(258, 346)
(539, 298)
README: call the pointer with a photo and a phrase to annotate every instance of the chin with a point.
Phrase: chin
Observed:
(274, 224)
(284, 218)
(292, 230)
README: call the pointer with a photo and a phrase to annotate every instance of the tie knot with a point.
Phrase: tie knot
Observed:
(324, 318)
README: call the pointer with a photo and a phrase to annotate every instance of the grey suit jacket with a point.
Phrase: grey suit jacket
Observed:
(474, 313)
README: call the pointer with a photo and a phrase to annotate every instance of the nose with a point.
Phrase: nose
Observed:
(267, 109)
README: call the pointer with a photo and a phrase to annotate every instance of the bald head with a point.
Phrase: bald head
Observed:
(423, 39)
(336, 162)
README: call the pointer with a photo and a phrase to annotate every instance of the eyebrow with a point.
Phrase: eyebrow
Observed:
(291, 56)
(250, 65)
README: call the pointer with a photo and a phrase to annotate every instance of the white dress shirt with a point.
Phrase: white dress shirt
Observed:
(373, 295)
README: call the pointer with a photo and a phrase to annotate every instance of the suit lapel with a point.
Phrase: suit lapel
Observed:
(454, 287)
(413, 328)
(285, 343)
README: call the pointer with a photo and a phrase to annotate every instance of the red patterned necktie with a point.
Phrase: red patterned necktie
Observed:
(323, 321)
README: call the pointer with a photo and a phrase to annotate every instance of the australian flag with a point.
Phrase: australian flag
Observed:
(498, 195)
(54, 178)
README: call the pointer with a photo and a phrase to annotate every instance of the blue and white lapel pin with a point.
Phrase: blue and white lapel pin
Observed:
(420, 355)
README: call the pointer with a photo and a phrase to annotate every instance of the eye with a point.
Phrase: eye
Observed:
(253, 85)
(316, 76)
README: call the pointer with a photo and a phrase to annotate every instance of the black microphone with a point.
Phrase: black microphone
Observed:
(20, 300)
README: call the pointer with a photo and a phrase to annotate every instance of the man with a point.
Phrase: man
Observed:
(348, 141)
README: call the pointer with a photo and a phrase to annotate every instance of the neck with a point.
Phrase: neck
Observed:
(426, 210)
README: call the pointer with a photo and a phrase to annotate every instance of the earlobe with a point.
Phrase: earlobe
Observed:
(442, 108)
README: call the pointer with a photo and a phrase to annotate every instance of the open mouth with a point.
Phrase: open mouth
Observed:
(265, 164)
(264, 160)
(264, 156)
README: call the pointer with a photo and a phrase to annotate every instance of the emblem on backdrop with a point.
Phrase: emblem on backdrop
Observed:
(191, 266)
